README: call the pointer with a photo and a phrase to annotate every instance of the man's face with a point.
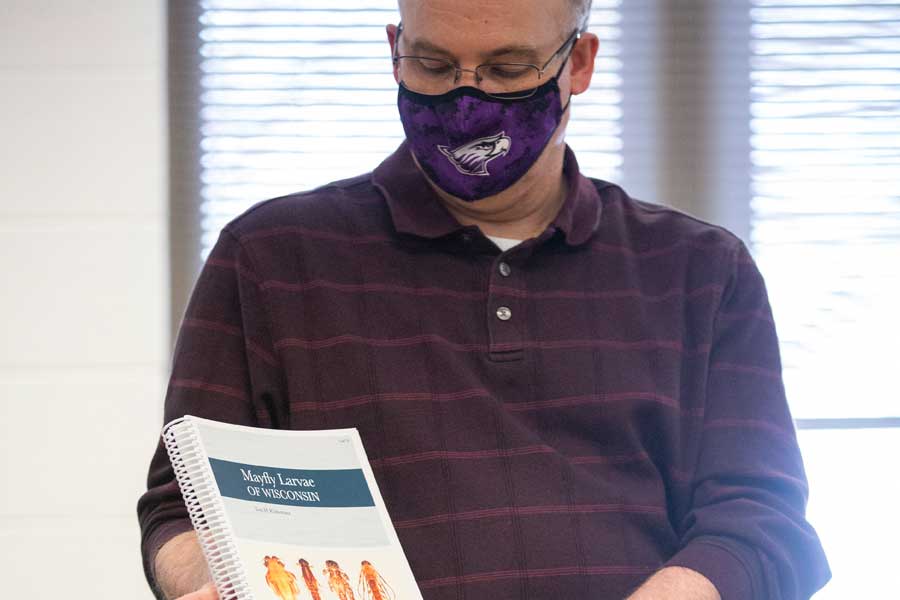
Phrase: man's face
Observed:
(473, 32)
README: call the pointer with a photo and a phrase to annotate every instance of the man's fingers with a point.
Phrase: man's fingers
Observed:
(207, 592)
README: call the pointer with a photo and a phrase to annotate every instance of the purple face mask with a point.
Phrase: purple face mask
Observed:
(472, 145)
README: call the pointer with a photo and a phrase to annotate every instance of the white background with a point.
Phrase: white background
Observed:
(83, 253)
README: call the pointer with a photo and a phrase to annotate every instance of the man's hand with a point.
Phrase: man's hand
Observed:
(181, 570)
(675, 583)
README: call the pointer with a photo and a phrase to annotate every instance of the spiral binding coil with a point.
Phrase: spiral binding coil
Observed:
(205, 507)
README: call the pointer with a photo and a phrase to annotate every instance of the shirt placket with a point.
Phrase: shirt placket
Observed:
(505, 308)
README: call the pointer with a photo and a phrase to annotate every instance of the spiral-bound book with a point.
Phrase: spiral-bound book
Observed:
(287, 515)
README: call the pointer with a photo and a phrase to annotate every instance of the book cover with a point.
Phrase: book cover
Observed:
(287, 515)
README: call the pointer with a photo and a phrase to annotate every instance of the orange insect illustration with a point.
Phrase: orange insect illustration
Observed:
(311, 584)
(338, 582)
(281, 581)
(372, 585)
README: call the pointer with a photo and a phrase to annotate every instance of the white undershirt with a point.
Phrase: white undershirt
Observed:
(504, 243)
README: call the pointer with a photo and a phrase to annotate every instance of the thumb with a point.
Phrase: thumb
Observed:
(207, 592)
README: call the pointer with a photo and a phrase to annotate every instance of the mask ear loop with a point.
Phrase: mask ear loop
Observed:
(569, 99)
(560, 70)
(568, 102)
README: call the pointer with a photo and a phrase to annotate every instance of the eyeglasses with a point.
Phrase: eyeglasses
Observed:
(434, 76)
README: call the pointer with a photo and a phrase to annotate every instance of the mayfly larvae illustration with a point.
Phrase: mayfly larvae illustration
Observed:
(311, 584)
(338, 582)
(281, 581)
(372, 585)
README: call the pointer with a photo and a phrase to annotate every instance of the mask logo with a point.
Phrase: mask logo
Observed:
(472, 158)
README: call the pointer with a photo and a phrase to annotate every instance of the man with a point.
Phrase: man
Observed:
(564, 393)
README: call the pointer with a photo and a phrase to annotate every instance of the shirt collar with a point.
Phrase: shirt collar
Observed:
(417, 209)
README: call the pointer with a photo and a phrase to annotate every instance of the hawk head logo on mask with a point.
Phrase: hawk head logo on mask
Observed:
(472, 158)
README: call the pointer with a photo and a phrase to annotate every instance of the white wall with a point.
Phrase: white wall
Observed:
(83, 258)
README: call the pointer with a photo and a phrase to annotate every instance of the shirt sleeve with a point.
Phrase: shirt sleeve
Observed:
(224, 368)
(746, 529)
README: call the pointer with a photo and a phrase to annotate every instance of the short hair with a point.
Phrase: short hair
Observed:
(581, 14)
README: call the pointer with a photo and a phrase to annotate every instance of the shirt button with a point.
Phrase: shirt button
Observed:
(504, 269)
(504, 314)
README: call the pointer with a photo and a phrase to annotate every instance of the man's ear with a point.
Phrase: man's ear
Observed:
(392, 41)
(582, 60)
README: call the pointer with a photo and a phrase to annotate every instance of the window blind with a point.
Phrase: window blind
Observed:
(826, 197)
(296, 93)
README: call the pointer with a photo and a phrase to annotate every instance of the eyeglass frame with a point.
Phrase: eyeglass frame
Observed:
(572, 39)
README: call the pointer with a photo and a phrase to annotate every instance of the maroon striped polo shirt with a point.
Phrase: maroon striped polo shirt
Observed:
(558, 420)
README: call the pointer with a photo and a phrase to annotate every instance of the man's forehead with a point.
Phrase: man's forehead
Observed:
(518, 51)
(484, 27)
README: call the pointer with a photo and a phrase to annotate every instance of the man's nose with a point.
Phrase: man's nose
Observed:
(472, 75)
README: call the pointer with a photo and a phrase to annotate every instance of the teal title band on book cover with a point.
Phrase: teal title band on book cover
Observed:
(323, 488)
